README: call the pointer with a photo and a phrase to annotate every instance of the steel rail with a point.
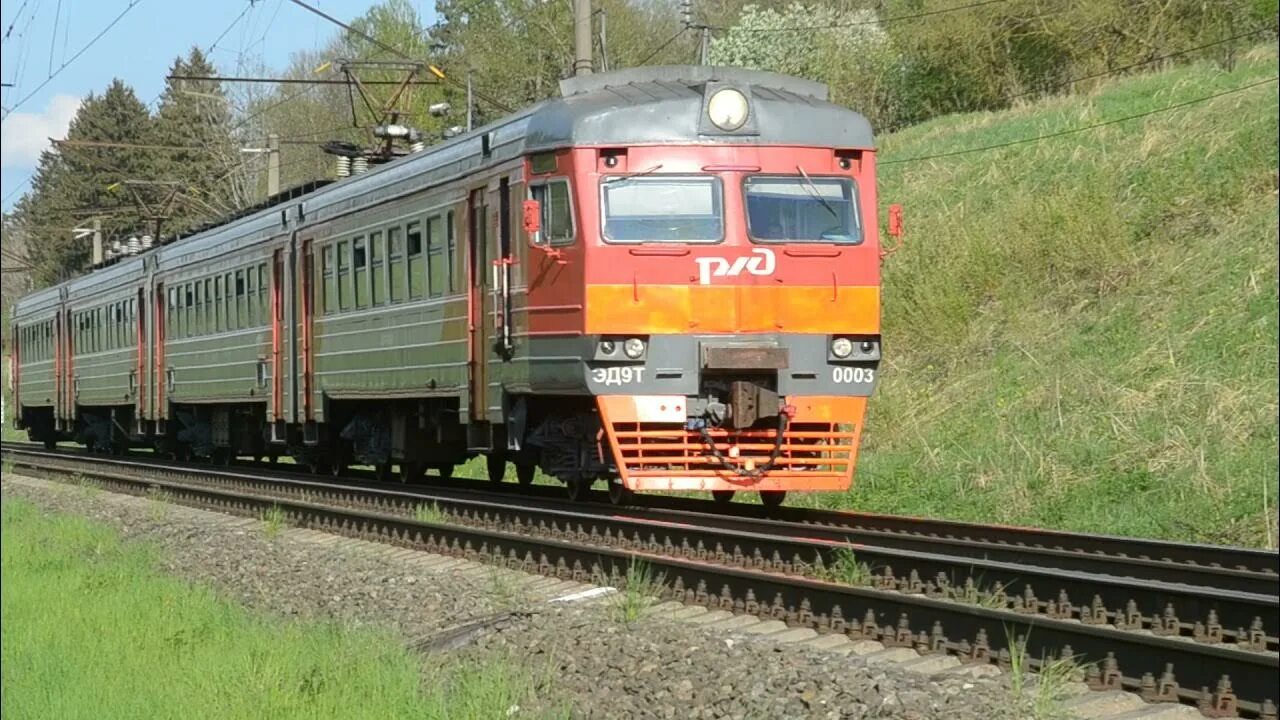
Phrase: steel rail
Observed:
(791, 591)
(1228, 568)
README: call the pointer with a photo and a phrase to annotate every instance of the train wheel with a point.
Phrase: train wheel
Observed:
(525, 473)
(50, 444)
(338, 469)
(444, 471)
(382, 472)
(497, 466)
(722, 497)
(577, 488)
(620, 494)
(772, 498)
(410, 472)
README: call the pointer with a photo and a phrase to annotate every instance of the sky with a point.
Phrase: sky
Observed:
(41, 36)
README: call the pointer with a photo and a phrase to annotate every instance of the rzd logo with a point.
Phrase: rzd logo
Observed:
(760, 262)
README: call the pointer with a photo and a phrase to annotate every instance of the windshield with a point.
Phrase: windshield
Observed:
(662, 209)
(802, 209)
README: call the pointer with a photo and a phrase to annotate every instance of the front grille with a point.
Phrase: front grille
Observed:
(818, 450)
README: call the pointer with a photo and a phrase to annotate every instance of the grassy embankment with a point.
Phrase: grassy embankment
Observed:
(92, 630)
(1081, 332)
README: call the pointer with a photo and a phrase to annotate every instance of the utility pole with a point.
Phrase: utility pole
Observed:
(704, 52)
(273, 164)
(604, 37)
(582, 64)
(470, 103)
(97, 242)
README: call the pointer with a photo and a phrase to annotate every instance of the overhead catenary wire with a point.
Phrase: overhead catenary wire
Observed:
(663, 46)
(878, 21)
(132, 4)
(403, 55)
(1142, 63)
(1084, 128)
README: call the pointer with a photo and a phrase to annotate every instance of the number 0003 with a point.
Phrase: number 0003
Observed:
(852, 375)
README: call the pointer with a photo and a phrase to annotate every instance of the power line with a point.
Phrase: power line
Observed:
(79, 52)
(16, 16)
(879, 21)
(295, 81)
(1085, 128)
(15, 190)
(398, 52)
(663, 46)
(248, 6)
(353, 31)
(1115, 71)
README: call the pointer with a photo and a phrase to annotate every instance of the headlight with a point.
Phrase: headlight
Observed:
(842, 347)
(607, 347)
(634, 348)
(728, 109)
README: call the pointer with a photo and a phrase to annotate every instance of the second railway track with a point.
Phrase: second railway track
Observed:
(1169, 624)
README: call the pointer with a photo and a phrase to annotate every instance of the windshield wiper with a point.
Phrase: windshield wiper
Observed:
(642, 173)
(813, 190)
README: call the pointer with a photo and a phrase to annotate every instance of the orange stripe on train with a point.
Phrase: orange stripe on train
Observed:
(731, 308)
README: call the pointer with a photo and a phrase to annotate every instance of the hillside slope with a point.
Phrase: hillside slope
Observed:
(1081, 332)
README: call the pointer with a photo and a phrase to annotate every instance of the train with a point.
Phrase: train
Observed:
(665, 279)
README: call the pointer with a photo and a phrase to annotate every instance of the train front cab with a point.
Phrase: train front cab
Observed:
(732, 306)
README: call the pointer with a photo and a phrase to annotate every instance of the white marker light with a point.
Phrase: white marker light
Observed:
(634, 348)
(842, 347)
(728, 109)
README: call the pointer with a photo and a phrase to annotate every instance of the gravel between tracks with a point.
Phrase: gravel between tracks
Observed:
(584, 657)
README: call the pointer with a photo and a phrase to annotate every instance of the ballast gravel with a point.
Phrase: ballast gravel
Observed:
(582, 656)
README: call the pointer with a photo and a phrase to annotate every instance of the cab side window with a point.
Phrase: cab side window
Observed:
(557, 211)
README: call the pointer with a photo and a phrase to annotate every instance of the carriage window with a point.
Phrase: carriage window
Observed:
(451, 248)
(413, 235)
(344, 275)
(360, 265)
(395, 264)
(557, 216)
(662, 209)
(202, 302)
(219, 313)
(242, 308)
(262, 293)
(802, 209)
(377, 271)
(328, 280)
(435, 256)
(207, 309)
(251, 297)
(189, 314)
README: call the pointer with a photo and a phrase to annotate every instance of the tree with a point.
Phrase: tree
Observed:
(847, 49)
(196, 115)
(77, 183)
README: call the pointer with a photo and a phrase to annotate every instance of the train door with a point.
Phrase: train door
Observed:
(480, 305)
(275, 401)
(59, 367)
(159, 377)
(138, 376)
(304, 385)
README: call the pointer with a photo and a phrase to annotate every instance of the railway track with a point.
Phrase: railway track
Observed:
(1173, 622)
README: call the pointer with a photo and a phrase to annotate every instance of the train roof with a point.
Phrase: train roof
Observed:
(636, 106)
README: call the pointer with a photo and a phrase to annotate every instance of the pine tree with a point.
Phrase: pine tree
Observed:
(196, 115)
(78, 183)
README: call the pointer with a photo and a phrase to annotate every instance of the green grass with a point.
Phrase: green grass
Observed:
(847, 569)
(92, 630)
(636, 593)
(273, 521)
(1081, 332)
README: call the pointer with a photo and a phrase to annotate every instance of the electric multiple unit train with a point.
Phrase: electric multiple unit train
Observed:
(666, 279)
